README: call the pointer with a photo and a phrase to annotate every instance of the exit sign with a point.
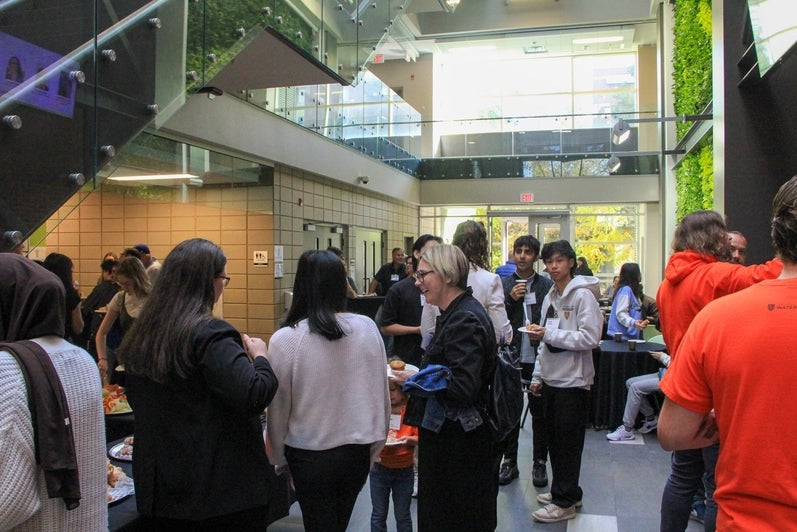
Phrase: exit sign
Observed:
(379, 58)
(526, 197)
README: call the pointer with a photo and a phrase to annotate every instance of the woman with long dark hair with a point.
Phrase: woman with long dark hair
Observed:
(198, 388)
(125, 306)
(330, 417)
(61, 266)
(626, 315)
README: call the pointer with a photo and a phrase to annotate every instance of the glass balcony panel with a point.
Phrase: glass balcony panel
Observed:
(77, 112)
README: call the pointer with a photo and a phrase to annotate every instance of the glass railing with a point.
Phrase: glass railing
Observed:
(343, 35)
(79, 84)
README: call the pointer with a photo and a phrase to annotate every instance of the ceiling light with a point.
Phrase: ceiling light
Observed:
(613, 164)
(598, 40)
(471, 49)
(153, 177)
(620, 132)
(449, 5)
(534, 49)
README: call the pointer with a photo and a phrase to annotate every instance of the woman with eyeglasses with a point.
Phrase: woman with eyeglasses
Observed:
(197, 387)
(125, 306)
(330, 417)
(471, 237)
(457, 469)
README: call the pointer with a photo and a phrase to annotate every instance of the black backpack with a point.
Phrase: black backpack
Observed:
(505, 404)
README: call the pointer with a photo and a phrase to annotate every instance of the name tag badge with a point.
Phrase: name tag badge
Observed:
(395, 421)
(394, 277)
(423, 300)
(552, 323)
(531, 298)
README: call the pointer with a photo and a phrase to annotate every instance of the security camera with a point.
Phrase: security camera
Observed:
(363, 180)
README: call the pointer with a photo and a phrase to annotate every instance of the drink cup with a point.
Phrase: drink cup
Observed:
(618, 337)
(632, 345)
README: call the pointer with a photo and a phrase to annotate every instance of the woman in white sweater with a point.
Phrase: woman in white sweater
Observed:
(330, 416)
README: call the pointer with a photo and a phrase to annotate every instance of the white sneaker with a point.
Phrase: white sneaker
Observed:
(547, 498)
(649, 425)
(620, 434)
(552, 513)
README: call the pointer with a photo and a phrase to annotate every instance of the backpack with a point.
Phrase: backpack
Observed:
(505, 404)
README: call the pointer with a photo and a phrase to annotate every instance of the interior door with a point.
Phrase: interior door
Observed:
(546, 226)
(321, 237)
(369, 255)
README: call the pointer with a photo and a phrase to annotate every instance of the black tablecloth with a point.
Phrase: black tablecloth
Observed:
(366, 305)
(613, 366)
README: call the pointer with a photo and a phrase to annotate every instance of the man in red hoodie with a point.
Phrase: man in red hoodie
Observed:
(698, 272)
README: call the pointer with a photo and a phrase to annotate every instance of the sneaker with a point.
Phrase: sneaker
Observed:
(649, 425)
(539, 474)
(551, 513)
(547, 498)
(415, 485)
(698, 512)
(621, 434)
(508, 472)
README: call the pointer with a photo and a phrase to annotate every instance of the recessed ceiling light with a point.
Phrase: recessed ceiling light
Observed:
(598, 40)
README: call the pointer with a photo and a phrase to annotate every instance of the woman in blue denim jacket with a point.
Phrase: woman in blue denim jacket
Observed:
(457, 470)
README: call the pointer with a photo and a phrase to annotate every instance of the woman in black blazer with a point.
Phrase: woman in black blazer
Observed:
(197, 388)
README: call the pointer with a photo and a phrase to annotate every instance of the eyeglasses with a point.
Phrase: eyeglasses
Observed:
(419, 275)
(226, 280)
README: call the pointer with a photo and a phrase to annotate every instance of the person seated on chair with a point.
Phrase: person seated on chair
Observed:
(639, 390)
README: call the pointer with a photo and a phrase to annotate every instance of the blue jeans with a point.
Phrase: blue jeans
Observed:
(685, 479)
(383, 480)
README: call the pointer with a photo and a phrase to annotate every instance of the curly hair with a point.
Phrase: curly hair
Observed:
(704, 232)
(784, 221)
(471, 237)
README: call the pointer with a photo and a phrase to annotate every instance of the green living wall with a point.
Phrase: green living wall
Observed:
(691, 93)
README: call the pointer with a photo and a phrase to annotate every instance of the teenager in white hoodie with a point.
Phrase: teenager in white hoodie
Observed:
(570, 328)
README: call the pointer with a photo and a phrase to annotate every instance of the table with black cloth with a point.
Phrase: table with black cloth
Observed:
(365, 305)
(124, 516)
(614, 364)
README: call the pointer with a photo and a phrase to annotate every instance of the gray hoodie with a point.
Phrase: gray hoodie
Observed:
(579, 332)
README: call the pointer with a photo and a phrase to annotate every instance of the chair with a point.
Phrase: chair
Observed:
(658, 339)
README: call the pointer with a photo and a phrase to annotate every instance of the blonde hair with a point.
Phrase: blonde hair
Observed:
(450, 263)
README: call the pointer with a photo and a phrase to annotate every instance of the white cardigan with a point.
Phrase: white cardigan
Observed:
(24, 503)
(331, 392)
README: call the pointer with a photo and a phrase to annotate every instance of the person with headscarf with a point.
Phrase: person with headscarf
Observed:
(37, 485)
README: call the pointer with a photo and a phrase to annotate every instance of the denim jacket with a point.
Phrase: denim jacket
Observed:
(464, 345)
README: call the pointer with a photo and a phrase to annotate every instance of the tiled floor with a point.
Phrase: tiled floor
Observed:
(622, 485)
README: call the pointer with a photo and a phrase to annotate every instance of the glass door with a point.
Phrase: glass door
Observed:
(546, 226)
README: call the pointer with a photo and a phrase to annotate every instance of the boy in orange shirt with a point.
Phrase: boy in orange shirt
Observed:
(394, 471)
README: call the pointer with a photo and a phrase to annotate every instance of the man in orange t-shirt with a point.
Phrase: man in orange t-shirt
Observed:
(739, 358)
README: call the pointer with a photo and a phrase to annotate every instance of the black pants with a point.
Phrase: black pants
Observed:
(327, 484)
(539, 438)
(564, 411)
(253, 520)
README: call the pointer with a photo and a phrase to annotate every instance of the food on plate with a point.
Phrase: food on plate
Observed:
(531, 326)
(114, 400)
(128, 440)
(397, 365)
(115, 474)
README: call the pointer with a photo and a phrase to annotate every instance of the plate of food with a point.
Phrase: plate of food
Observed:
(120, 486)
(527, 329)
(122, 451)
(114, 400)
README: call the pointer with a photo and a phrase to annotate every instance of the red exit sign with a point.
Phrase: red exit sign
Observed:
(526, 197)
